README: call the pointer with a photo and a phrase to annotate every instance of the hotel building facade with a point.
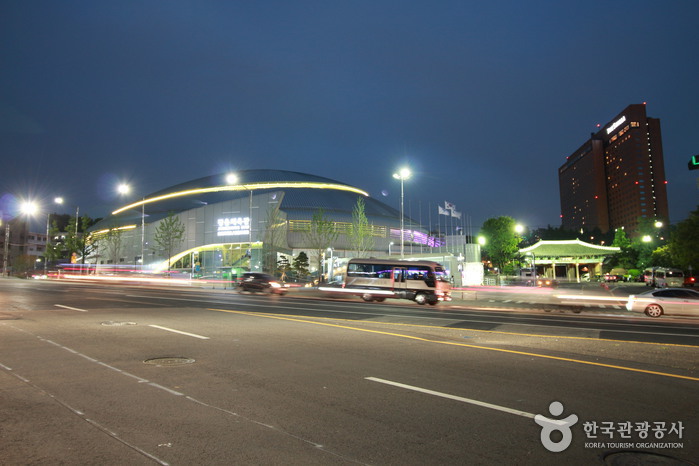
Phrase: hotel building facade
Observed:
(616, 177)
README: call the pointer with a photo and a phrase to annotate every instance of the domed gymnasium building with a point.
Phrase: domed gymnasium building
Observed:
(247, 221)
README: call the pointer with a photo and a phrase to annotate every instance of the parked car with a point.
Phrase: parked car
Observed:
(262, 282)
(608, 277)
(690, 280)
(668, 301)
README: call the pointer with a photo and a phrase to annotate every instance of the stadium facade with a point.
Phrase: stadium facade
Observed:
(250, 223)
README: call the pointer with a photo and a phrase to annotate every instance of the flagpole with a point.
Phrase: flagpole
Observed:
(429, 214)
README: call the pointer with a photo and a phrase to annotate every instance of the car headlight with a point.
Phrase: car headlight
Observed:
(275, 284)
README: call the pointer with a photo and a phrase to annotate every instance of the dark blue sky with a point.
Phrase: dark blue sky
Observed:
(483, 100)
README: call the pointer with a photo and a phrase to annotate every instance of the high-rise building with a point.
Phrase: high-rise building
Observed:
(616, 177)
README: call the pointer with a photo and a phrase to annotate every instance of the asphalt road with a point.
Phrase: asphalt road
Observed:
(98, 374)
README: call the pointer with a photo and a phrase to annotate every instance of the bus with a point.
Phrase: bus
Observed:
(663, 277)
(378, 279)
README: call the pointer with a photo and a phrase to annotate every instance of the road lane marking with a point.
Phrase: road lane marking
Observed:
(170, 391)
(463, 345)
(276, 429)
(491, 320)
(180, 332)
(522, 334)
(483, 404)
(71, 308)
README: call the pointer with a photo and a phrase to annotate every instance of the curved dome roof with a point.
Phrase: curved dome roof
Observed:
(303, 195)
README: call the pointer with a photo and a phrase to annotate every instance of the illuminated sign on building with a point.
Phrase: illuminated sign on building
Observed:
(616, 124)
(233, 226)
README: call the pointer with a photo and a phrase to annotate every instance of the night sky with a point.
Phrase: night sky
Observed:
(483, 100)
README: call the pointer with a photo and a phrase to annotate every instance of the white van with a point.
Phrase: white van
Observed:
(666, 277)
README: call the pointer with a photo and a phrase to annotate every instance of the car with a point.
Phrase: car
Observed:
(262, 282)
(546, 283)
(666, 301)
(608, 277)
(690, 280)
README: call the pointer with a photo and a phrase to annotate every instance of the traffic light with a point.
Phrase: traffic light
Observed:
(694, 163)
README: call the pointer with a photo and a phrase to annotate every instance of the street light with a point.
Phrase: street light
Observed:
(57, 200)
(389, 247)
(329, 265)
(123, 189)
(402, 175)
(231, 179)
(533, 264)
(27, 208)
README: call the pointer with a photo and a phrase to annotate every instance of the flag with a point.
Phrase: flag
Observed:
(443, 211)
(456, 214)
(449, 205)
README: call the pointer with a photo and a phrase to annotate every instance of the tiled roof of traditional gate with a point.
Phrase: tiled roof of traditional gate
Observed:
(568, 248)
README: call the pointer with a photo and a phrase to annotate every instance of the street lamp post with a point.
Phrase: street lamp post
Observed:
(6, 250)
(389, 247)
(58, 200)
(329, 265)
(533, 264)
(26, 208)
(124, 189)
(402, 175)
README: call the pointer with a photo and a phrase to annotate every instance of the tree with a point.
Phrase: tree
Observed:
(283, 267)
(112, 242)
(661, 257)
(502, 241)
(320, 235)
(76, 239)
(684, 242)
(168, 235)
(55, 247)
(300, 265)
(360, 238)
(274, 239)
(627, 257)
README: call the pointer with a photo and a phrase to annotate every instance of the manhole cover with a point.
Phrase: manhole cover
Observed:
(110, 323)
(634, 458)
(169, 361)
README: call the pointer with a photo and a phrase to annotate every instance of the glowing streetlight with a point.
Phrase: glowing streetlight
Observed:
(481, 240)
(519, 228)
(29, 208)
(402, 175)
(389, 247)
(123, 189)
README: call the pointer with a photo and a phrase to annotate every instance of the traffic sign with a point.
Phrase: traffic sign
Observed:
(693, 163)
